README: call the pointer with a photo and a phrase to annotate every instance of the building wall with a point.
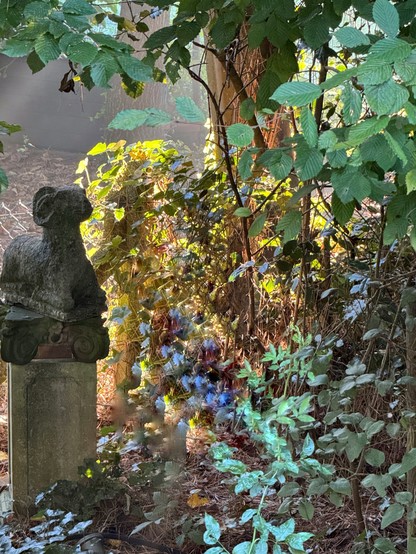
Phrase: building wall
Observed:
(50, 119)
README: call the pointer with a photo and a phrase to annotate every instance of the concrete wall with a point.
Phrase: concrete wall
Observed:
(50, 119)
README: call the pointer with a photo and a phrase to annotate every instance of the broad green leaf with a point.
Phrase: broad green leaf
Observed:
(296, 93)
(411, 180)
(386, 98)
(342, 211)
(306, 509)
(242, 548)
(341, 486)
(309, 161)
(36, 10)
(406, 69)
(386, 17)
(289, 489)
(396, 148)
(309, 127)
(317, 487)
(99, 148)
(244, 164)
(385, 546)
(103, 68)
(374, 74)
(308, 446)
(247, 515)
(78, 7)
(236, 467)
(367, 128)
(408, 463)
(213, 530)
(128, 120)
(278, 163)
(316, 32)
(82, 52)
(379, 482)
(355, 445)
(283, 531)
(47, 48)
(404, 497)
(161, 37)
(242, 212)
(247, 108)
(392, 514)
(135, 68)
(374, 457)
(187, 108)
(157, 117)
(337, 158)
(351, 184)
(339, 78)
(296, 541)
(352, 104)
(290, 224)
(389, 50)
(257, 225)
(393, 429)
(17, 48)
(351, 37)
(240, 134)
(327, 140)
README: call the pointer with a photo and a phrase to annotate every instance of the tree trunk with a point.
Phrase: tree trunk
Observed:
(411, 406)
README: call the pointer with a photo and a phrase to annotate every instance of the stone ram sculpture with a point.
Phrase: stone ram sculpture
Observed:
(51, 274)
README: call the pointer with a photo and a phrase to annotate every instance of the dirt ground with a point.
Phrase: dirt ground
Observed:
(28, 169)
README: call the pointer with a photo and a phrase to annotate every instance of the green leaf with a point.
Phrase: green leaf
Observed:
(352, 104)
(296, 541)
(257, 225)
(317, 487)
(4, 181)
(236, 467)
(309, 127)
(374, 457)
(289, 489)
(296, 93)
(240, 134)
(316, 32)
(374, 74)
(309, 161)
(306, 509)
(411, 180)
(341, 486)
(351, 37)
(188, 109)
(327, 140)
(283, 531)
(135, 68)
(406, 69)
(247, 515)
(244, 164)
(242, 548)
(82, 52)
(161, 37)
(242, 212)
(103, 68)
(308, 446)
(386, 98)
(395, 147)
(408, 463)
(290, 224)
(131, 119)
(342, 211)
(78, 7)
(379, 482)
(247, 108)
(213, 530)
(389, 50)
(339, 78)
(386, 16)
(355, 445)
(157, 117)
(17, 48)
(34, 62)
(367, 128)
(47, 48)
(392, 514)
(36, 10)
(278, 163)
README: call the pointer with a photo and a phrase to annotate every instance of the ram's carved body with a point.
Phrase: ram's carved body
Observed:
(52, 274)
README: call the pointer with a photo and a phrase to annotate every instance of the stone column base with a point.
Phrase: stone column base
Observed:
(52, 425)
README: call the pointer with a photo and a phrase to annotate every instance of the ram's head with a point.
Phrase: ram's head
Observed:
(56, 206)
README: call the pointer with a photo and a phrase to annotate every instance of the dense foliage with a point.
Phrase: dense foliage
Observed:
(302, 214)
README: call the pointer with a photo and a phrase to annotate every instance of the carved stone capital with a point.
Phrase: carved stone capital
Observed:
(27, 335)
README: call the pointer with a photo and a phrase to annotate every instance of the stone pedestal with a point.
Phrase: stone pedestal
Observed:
(52, 424)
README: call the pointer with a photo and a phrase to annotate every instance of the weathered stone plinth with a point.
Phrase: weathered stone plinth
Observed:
(52, 424)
